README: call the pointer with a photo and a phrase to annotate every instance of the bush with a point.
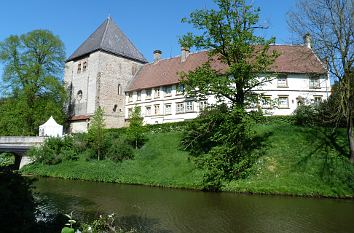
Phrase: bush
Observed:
(119, 151)
(223, 143)
(54, 150)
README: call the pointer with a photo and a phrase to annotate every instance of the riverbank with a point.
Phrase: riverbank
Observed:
(297, 161)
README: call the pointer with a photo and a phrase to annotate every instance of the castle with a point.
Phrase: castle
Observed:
(107, 70)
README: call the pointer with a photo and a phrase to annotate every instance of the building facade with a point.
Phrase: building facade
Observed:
(108, 71)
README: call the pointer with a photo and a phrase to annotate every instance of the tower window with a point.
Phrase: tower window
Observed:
(119, 89)
(84, 66)
(79, 68)
(79, 95)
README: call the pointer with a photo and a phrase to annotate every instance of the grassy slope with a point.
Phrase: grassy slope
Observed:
(301, 161)
(158, 163)
(297, 160)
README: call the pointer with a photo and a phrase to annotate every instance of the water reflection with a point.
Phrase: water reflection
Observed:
(167, 210)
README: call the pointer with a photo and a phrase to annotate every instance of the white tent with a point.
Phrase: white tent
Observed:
(51, 129)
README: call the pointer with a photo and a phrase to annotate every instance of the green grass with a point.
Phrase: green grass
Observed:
(297, 161)
(158, 163)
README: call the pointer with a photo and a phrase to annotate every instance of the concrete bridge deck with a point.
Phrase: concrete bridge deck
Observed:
(18, 145)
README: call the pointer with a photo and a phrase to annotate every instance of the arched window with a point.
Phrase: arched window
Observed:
(119, 89)
(79, 95)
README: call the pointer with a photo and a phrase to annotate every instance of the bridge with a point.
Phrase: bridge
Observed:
(18, 146)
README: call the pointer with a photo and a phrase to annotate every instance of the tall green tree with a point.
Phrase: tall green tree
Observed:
(96, 132)
(331, 25)
(32, 84)
(228, 33)
(136, 130)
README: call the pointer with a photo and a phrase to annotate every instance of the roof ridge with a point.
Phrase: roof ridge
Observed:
(105, 31)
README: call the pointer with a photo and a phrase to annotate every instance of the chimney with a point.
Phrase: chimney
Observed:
(184, 54)
(157, 55)
(307, 40)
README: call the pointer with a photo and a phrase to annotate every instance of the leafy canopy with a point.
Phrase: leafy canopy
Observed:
(228, 33)
(32, 84)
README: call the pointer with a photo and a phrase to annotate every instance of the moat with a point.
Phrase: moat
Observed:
(151, 209)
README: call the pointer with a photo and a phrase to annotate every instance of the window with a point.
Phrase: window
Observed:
(148, 94)
(317, 99)
(189, 106)
(130, 111)
(79, 95)
(179, 107)
(157, 109)
(157, 93)
(314, 82)
(282, 81)
(130, 97)
(266, 101)
(168, 108)
(180, 89)
(138, 95)
(119, 89)
(148, 110)
(203, 105)
(84, 66)
(283, 102)
(79, 68)
(115, 108)
(168, 90)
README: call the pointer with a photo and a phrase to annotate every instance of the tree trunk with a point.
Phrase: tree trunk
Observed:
(351, 139)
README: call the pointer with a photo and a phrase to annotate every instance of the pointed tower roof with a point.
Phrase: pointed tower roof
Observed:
(109, 38)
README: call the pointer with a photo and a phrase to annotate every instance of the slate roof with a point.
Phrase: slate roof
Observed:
(109, 38)
(292, 59)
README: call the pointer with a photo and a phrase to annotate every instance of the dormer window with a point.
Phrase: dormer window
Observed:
(79, 68)
(282, 81)
(84, 66)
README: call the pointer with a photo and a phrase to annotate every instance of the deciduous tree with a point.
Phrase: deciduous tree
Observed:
(32, 84)
(228, 33)
(331, 24)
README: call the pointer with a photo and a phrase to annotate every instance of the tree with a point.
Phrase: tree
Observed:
(136, 130)
(96, 132)
(228, 33)
(331, 24)
(32, 85)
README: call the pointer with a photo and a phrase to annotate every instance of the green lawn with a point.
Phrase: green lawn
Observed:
(296, 161)
(158, 163)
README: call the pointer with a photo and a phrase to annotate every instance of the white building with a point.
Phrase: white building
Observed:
(298, 77)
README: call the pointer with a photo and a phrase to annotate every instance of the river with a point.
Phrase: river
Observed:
(151, 209)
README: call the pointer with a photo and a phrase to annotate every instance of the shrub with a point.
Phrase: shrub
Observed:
(306, 115)
(119, 151)
(54, 150)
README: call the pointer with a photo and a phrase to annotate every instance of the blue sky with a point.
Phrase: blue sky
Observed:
(150, 25)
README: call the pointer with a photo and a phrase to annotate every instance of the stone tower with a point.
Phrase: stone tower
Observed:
(97, 74)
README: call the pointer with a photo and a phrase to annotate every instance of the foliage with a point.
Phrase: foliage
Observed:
(307, 115)
(6, 159)
(119, 151)
(158, 163)
(96, 132)
(222, 141)
(135, 132)
(17, 205)
(332, 27)
(55, 150)
(228, 33)
(32, 86)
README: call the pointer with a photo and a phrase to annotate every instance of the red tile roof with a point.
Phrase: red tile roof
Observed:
(80, 117)
(292, 59)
